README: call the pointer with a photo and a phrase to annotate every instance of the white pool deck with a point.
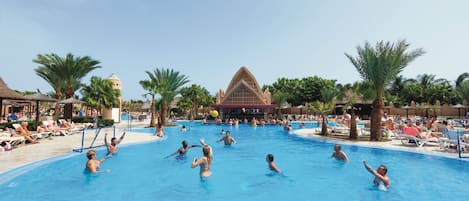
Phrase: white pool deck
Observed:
(63, 145)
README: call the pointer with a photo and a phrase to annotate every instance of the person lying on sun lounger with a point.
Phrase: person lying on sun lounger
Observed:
(23, 131)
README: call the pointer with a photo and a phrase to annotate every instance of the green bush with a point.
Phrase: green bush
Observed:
(105, 122)
(82, 120)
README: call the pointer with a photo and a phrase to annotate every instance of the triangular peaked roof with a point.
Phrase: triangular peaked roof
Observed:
(243, 90)
(244, 74)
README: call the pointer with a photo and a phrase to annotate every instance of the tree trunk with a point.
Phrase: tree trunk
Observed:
(57, 106)
(68, 108)
(376, 115)
(194, 108)
(164, 109)
(324, 126)
(353, 126)
(152, 110)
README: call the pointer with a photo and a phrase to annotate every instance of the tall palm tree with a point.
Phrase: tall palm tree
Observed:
(50, 73)
(379, 65)
(100, 94)
(325, 106)
(152, 88)
(167, 82)
(65, 74)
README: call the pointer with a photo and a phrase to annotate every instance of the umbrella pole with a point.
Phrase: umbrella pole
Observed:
(1, 107)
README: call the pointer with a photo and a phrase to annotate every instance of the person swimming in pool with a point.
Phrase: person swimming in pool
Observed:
(380, 175)
(183, 150)
(270, 160)
(112, 147)
(93, 165)
(205, 161)
(227, 139)
(339, 154)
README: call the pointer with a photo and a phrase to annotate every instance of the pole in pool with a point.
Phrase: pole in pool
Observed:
(82, 139)
(459, 145)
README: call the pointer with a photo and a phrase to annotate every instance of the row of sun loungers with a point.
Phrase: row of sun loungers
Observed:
(48, 129)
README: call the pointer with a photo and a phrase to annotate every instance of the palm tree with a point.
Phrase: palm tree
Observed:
(279, 98)
(359, 90)
(379, 66)
(99, 93)
(167, 82)
(427, 80)
(461, 78)
(152, 88)
(463, 89)
(65, 74)
(196, 95)
(50, 73)
(325, 106)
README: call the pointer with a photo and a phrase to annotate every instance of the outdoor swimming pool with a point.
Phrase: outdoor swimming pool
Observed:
(140, 172)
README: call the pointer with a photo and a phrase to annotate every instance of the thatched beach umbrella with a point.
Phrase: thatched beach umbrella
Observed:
(71, 101)
(8, 94)
(459, 107)
(407, 110)
(39, 97)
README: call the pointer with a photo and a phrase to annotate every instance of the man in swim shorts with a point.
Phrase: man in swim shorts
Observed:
(339, 154)
(380, 175)
(183, 150)
(270, 160)
(227, 139)
(112, 147)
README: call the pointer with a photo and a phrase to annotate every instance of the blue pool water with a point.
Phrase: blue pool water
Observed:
(140, 172)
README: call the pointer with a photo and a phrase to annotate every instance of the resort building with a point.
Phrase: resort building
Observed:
(243, 98)
(114, 112)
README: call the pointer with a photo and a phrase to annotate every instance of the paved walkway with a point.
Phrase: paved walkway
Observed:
(61, 145)
(431, 148)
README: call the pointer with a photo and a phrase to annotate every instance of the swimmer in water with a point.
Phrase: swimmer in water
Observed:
(93, 165)
(339, 154)
(183, 150)
(270, 160)
(183, 129)
(227, 139)
(380, 175)
(112, 147)
(205, 161)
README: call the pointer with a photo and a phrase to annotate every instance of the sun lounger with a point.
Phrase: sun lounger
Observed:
(410, 139)
(451, 140)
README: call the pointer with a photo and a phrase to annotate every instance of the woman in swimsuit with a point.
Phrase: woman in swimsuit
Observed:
(92, 165)
(205, 161)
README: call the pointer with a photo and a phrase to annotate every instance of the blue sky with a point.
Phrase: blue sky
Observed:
(209, 40)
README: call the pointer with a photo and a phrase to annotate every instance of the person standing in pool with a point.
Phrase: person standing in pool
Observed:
(339, 154)
(227, 139)
(380, 175)
(183, 150)
(270, 160)
(93, 165)
(112, 147)
(205, 161)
